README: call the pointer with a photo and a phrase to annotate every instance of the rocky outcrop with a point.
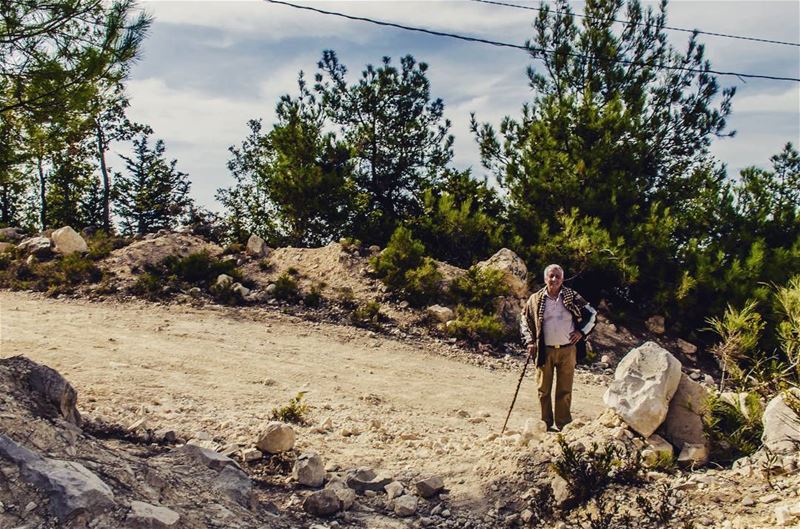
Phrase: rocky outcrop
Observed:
(514, 271)
(644, 383)
(38, 246)
(70, 486)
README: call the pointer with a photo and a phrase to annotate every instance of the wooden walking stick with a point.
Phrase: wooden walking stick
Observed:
(527, 361)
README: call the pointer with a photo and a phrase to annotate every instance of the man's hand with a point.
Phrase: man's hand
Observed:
(575, 337)
(532, 350)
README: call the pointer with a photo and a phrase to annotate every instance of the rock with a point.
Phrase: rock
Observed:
(207, 457)
(38, 246)
(689, 349)
(514, 271)
(71, 487)
(240, 289)
(5, 246)
(271, 288)
(365, 479)
(277, 437)
(693, 455)
(166, 435)
(11, 234)
(781, 423)
(223, 280)
(405, 505)
(657, 450)
(251, 454)
(146, 516)
(655, 324)
(560, 490)
(322, 503)
(346, 496)
(441, 314)
(644, 383)
(429, 486)
(533, 429)
(257, 247)
(235, 484)
(50, 384)
(309, 470)
(684, 421)
(394, 489)
(67, 241)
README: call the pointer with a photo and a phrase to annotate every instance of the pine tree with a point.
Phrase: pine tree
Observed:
(152, 194)
(398, 136)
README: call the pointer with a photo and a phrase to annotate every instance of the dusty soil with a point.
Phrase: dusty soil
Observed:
(397, 404)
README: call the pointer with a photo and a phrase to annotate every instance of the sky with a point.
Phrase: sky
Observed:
(209, 67)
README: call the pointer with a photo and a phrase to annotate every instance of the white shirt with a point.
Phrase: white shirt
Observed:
(557, 324)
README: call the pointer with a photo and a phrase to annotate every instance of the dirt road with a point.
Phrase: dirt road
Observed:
(394, 405)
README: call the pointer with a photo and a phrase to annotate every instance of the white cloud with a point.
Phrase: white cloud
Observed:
(787, 101)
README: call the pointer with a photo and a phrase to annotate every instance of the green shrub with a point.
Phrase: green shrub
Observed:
(148, 285)
(403, 267)
(422, 283)
(731, 433)
(787, 299)
(197, 268)
(285, 288)
(295, 411)
(369, 312)
(74, 268)
(101, 245)
(740, 331)
(265, 265)
(233, 248)
(479, 288)
(588, 472)
(313, 298)
(474, 325)
(401, 254)
(292, 271)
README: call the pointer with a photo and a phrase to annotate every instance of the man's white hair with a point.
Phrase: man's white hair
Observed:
(551, 267)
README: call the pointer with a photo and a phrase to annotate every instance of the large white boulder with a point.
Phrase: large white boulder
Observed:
(644, 383)
(782, 424)
(277, 437)
(513, 268)
(684, 422)
(67, 241)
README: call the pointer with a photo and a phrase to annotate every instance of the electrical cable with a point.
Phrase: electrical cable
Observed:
(670, 28)
(528, 48)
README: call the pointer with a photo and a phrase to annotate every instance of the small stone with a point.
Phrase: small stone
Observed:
(394, 489)
(405, 505)
(322, 503)
(430, 486)
(251, 454)
(146, 515)
(769, 498)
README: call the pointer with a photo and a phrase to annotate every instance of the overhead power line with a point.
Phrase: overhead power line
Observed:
(525, 48)
(670, 28)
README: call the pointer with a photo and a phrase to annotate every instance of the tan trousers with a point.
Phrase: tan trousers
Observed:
(560, 361)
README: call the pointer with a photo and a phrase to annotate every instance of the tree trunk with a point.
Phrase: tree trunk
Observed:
(42, 194)
(101, 154)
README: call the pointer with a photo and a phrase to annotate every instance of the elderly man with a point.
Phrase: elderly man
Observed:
(554, 324)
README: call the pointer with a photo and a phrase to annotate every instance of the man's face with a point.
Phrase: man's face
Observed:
(553, 279)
